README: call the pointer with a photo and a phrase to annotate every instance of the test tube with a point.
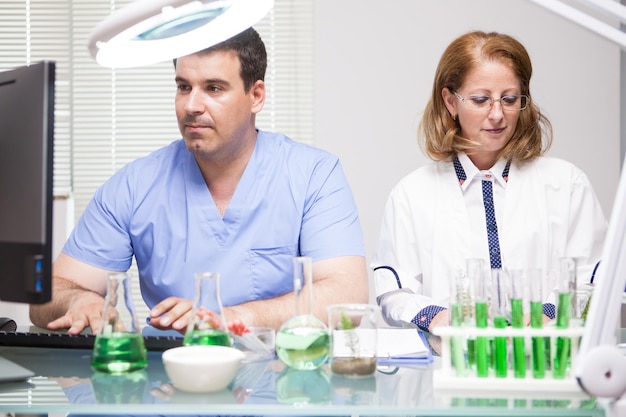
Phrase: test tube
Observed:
(499, 295)
(566, 286)
(479, 277)
(517, 293)
(534, 283)
(459, 298)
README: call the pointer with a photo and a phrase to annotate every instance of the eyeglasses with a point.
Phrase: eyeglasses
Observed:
(511, 102)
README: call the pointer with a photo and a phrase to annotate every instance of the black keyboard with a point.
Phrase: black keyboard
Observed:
(81, 341)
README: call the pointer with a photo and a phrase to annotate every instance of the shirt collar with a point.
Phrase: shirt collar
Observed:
(474, 173)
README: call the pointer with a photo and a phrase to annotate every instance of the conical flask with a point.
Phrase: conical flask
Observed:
(302, 342)
(207, 325)
(119, 345)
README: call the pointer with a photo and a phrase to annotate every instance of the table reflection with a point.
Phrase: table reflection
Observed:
(65, 380)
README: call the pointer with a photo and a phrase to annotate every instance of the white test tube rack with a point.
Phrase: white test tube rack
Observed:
(446, 377)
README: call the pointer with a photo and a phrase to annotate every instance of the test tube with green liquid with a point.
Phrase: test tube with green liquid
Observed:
(517, 286)
(500, 291)
(459, 292)
(534, 282)
(479, 278)
(566, 286)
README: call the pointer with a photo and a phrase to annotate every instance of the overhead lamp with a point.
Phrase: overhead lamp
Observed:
(147, 32)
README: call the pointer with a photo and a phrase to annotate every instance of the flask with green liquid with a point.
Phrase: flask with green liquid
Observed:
(207, 325)
(119, 347)
(302, 342)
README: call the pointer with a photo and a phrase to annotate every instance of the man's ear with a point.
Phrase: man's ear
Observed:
(257, 95)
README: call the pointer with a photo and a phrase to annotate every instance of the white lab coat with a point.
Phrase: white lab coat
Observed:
(432, 225)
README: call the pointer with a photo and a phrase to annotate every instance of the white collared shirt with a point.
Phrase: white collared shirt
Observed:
(473, 196)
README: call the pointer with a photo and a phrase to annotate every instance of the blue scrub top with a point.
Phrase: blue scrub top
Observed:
(292, 200)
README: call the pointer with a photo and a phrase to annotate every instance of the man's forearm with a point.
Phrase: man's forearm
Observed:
(337, 283)
(64, 293)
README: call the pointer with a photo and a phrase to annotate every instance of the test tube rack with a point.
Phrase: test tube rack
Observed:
(446, 378)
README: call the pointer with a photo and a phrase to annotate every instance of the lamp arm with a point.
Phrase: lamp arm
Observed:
(588, 22)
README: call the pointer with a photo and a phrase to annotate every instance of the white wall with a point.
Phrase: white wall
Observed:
(375, 63)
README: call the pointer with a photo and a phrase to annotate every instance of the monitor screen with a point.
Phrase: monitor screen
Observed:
(26, 158)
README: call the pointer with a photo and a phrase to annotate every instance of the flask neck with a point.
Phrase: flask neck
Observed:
(303, 285)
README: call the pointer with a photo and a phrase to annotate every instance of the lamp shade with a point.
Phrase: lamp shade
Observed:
(146, 32)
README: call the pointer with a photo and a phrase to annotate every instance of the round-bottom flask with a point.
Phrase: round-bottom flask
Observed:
(302, 342)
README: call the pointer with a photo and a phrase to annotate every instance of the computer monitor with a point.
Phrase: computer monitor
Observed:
(26, 167)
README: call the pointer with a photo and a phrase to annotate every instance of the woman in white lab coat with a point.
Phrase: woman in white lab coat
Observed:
(490, 192)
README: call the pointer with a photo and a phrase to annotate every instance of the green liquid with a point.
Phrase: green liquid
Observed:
(561, 360)
(471, 352)
(128, 388)
(304, 387)
(457, 315)
(564, 310)
(119, 353)
(500, 352)
(482, 343)
(519, 353)
(302, 348)
(457, 342)
(538, 342)
(207, 337)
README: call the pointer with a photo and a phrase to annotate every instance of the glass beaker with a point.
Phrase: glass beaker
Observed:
(302, 342)
(353, 339)
(207, 325)
(119, 345)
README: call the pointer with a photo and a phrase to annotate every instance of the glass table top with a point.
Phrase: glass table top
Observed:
(65, 383)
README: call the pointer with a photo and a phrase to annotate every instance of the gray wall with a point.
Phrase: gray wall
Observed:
(375, 62)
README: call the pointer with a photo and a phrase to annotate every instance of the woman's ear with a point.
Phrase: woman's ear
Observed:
(450, 101)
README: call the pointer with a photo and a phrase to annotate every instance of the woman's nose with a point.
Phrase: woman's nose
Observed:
(496, 112)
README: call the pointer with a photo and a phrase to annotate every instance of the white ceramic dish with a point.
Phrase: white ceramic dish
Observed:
(202, 368)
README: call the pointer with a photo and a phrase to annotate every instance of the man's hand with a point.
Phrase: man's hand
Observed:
(84, 312)
(171, 313)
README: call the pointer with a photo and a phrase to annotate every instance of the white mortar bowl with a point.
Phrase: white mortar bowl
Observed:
(202, 368)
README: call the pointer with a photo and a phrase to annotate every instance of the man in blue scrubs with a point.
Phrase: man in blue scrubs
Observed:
(226, 198)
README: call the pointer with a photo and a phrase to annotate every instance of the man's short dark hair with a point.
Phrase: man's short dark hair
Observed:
(250, 50)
